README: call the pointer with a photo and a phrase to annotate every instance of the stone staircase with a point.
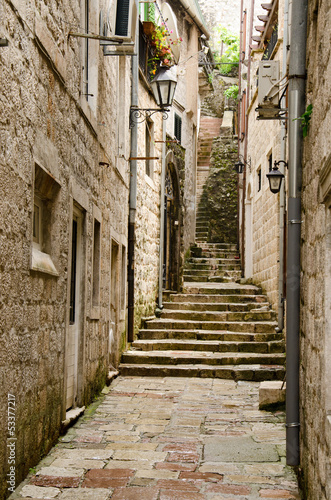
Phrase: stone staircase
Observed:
(217, 327)
(209, 130)
(213, 329)
(213, 262)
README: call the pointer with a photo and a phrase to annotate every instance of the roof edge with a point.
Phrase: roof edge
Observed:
(196, 15)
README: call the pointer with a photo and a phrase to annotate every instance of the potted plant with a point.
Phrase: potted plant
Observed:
(161, 46)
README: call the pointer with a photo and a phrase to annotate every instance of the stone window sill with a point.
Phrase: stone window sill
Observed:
(42, 263)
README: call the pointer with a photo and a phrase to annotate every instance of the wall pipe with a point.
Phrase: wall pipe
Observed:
(241, 42)
(246, 138)
(280, 326)
(162, 221)
(297, 75)
(133, 192)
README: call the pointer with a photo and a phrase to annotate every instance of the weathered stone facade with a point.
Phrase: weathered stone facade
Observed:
(52, 142)
(223, 12)
(260, 141)
(65, 176)
(185, 106)
(315, 263)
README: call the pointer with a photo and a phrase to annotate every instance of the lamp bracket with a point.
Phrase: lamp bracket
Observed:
(139, 115)
(276, 163)
(247, 162)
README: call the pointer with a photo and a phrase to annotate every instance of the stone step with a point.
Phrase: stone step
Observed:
(221, 266)
(226, 278)
(272, 347)
(214, 276)
(202, 357)
(222, 289)
(221, 316)
(232, 326)
(217, 306)
(215, 254)
(229, 246)
(235, 298)
(255, 373)
(208, 335)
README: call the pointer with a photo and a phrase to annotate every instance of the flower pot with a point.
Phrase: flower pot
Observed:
(148, 27)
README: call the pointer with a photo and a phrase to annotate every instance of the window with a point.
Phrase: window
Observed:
(269, 168)
(90, 54)
(149, 147)
(37, 222)
(259, 180)
(123, 285)
(44, 222)
(96, 263)
(244, 35)
(86, 52)
(243, 116)
(147, 11)
(178, 128)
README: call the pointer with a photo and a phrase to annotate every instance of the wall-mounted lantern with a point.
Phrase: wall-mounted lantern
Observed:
(163, 87)
(240, 164)
(275, 177)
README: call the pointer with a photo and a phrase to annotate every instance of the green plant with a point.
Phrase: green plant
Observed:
(211, 77)
(161, 42)
(230, 57)
(305, 119)
(232, 92)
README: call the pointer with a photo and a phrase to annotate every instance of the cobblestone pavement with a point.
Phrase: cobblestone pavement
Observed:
(169, 439)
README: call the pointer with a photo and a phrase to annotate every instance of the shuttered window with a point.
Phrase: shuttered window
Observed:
(122, 18)
(178, 128)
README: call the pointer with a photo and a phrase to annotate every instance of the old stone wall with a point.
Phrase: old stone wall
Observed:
(224, 12)
(147, 232)
(315, 381)
(220, 193)
(261, 206)
(52, 140)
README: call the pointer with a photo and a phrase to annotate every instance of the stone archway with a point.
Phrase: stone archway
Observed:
(172, 223)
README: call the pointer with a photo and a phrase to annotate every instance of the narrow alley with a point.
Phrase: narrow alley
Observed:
(169, 439)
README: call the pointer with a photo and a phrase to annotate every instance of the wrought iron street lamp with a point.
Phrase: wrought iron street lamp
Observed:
(240, 164)
(275, 177)
(163, 87)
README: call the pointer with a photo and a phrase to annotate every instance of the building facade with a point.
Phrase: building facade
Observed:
(269, 231)
(315, 353)
(261, 142)
(65, 186)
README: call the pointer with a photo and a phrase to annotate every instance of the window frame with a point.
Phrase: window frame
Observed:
(178, 127)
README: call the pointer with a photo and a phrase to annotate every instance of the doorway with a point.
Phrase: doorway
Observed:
(75, 305)
(171, 252)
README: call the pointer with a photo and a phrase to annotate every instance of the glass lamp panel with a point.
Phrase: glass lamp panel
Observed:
(275, 183)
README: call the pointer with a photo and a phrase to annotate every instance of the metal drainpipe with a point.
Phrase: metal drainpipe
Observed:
(280, 326)
(133, 192)
(297, 74)
(162, 187)
(239, 113)
(246, 138)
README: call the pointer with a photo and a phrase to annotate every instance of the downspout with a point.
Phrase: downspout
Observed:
(297, 75)
(133, 192)
(239, 112)
(162, 188)
(246, 138)
(280, 326)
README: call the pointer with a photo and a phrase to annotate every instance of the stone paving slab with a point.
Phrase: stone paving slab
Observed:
(169, 439)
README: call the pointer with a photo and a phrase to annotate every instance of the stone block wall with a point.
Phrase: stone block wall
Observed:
(224, 12)
(46, 124)
(315, 380)
(262, 239)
